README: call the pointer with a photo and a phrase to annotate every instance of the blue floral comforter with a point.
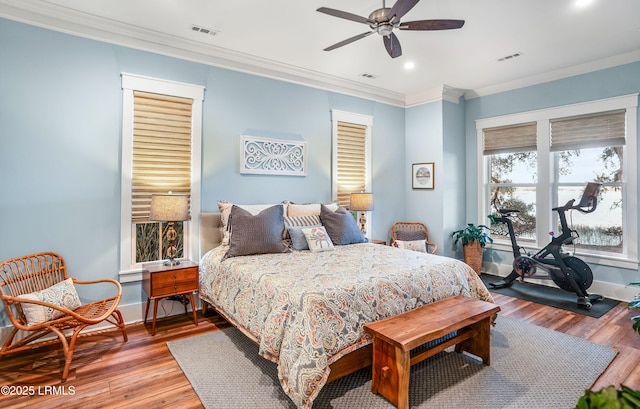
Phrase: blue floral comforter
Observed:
(306, 310)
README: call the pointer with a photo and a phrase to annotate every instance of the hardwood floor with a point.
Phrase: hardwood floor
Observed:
(141, 373)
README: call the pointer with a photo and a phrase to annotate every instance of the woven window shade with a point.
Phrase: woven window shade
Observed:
(161, 149)
(588, 131)
(512, 138)
(352, 160)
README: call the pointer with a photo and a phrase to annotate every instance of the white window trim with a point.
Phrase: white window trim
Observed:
(129, 271)
(353, 118)
(542, 117)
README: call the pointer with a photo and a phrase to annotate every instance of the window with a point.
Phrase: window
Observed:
(538, 160)
(160, 153)
(161, 164)
(351, 155)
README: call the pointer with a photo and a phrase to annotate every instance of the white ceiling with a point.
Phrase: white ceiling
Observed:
(285, 39)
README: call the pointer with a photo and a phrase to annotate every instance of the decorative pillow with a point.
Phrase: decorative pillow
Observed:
(308, 209)
(225, 211)
(318, 239)
(256, 234)
(62, 294)
(298, 240)
(410, 235)
(341, 226)
(415, 245)
(299, 221)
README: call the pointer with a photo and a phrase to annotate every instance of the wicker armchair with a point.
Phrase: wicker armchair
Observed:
(411, 231)
(22, 276)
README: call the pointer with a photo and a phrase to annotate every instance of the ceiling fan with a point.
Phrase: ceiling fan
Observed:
(384, 20)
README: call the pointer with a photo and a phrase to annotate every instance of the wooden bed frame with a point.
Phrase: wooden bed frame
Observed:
(211, 236)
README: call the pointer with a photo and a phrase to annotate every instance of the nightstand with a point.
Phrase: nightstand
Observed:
(160, 281)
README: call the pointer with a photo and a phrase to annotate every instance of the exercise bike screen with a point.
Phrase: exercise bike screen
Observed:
(590, 193)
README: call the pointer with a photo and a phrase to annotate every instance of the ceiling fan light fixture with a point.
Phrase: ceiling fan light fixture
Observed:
(384, 29)
(383, 20)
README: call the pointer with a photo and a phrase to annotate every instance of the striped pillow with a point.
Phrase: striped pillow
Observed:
(299, 221)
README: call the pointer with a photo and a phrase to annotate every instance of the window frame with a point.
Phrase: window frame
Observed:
(129, 270)
(359, 119)
(545, 183)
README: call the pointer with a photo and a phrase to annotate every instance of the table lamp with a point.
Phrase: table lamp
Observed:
(169, 208)
(361, 202)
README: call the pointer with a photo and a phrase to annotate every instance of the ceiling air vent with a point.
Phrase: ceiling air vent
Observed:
(204, 30)
(368, 76)
(510, 57)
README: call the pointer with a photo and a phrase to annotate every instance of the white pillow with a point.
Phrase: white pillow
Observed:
(62, 294)
(317, 238)
(415, 245)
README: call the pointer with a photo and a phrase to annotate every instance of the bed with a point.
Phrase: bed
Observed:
(306, 309)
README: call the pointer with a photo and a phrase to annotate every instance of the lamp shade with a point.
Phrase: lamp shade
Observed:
(361, 202)
(169, 208)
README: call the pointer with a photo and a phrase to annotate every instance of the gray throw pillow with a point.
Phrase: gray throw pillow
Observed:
(298, 239)
(410, 235)
(259, 234)
(341, 226)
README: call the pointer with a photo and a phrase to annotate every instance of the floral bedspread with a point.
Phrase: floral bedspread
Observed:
(306, 310)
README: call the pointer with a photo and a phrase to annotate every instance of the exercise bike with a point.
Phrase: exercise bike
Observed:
(568, 272)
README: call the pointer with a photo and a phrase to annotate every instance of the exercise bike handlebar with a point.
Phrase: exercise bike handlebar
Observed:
(591, 207)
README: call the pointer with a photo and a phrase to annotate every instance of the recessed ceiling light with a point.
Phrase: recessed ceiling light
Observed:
(409, 65)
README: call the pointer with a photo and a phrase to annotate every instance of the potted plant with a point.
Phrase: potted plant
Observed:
(474, 239)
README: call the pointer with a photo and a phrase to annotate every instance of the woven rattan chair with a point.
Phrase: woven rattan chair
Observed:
(24, 275)
(410, 231)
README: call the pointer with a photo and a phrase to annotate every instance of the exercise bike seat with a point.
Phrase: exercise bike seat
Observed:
(506, 212)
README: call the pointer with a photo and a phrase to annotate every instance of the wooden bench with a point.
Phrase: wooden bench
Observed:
(395, 337)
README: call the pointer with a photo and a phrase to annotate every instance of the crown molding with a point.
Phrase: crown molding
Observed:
(44, 14)
(572, 71)
(50, 16)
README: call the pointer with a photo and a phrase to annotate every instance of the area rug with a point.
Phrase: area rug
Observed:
(531, 367)
(547, 295)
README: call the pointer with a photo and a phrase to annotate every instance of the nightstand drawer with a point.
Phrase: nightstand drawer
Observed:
(176, 281)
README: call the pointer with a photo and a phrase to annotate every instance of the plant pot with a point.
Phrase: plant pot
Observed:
(473, 256)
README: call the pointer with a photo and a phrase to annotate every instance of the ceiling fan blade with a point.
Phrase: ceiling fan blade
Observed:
(431, 25)
(348, 40)
(343, 14)
(392, 44)
(401, 8)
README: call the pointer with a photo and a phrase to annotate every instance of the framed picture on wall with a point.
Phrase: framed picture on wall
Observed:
(422, 175)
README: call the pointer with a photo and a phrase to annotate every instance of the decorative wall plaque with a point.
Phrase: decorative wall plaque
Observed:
(268, 156)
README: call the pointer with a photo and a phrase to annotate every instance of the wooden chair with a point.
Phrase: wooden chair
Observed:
(35, 272)
(410, 231)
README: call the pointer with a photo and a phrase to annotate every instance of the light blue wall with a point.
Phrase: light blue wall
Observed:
(60, 132)
(453, 175)
(617, 81)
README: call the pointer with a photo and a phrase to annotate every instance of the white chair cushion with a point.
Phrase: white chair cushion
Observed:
(62, 294)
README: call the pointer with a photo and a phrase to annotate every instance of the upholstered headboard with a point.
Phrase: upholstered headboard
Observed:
(210, 231)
